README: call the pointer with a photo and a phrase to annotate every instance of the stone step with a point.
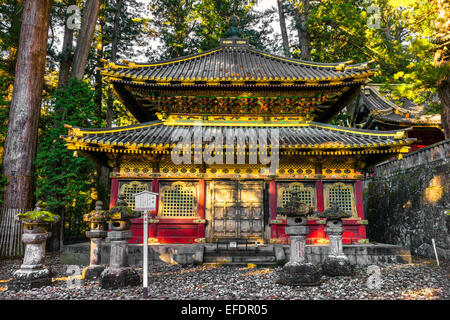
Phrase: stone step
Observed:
(231, 258)
(236, 253)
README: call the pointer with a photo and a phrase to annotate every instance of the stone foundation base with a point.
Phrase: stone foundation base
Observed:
(30, 279)
(119, 278)
(92, 272)
(337, 267)
(300, 274)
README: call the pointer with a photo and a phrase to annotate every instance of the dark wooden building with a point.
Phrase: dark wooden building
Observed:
(375, 112)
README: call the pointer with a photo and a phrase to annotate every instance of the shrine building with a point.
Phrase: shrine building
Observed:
(373, 111)
(236, 90)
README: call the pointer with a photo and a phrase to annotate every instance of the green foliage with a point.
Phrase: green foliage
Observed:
(37, 217)
(66, 182)
(189, 26)
(343, 119)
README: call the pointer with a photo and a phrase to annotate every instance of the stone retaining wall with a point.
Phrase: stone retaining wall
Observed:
(185, 254)
(407, 201)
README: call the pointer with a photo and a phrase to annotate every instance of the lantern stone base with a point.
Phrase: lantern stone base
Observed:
(27, 279)
(337, 266)
(119, 278)
(92, 272)
(300, 274)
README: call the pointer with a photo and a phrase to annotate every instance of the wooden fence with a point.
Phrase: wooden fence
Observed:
(11, 244)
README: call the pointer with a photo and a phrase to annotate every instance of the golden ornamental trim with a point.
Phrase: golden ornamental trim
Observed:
(276, 221)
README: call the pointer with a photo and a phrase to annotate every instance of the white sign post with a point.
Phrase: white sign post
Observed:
(145, 201)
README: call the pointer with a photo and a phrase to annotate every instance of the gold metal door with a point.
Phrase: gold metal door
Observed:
(237, 210)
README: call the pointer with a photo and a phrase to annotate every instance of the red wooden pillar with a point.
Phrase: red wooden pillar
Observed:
(201, 206)
(273, 208)
(319, 195)
(114, 192)
(152, 230)
(360, 207)
(320, 233)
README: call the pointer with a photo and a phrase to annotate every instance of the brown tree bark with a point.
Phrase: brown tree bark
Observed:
(66, 58)
(444, 96)
(21, 137)
(302, 30)
(284, 34)
(85, 36)
(114, 45)
(442, 59)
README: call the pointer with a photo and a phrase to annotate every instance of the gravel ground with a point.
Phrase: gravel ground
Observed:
(421, 280)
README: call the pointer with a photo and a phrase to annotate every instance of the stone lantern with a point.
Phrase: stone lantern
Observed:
(97, 233)
(336, 263)
(297, 271)
(119, 273)
(32, 273)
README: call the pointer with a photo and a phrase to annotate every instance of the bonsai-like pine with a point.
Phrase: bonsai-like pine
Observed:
(295, 207)
(121, 211)
(39, 215)
(98, 215)
(334, 212)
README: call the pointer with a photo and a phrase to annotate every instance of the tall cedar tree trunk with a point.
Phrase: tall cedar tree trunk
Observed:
(302, 29)
(102, 171)
(66, 58)
(284, 34)
(56, 241)
(21, 138)
(85, 36)
(114, 44)
(444, 96)
(442, 58)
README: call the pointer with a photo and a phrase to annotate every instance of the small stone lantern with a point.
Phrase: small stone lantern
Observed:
(97, 233)
(119, 273)
(337, 263)
(297, 271)
(32, 273)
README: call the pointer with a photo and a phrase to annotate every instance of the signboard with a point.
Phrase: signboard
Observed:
(145, 201)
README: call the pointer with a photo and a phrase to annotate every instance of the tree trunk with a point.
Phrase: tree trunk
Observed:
(21, 138)
(302, 29)
(66, 58)
(284, 34)
(85, 36)
(444, 96)
(114, 44)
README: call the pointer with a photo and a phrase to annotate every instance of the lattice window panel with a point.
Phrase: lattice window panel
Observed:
(342, 194)
(130, 189)
(178, 201)
(306, 195)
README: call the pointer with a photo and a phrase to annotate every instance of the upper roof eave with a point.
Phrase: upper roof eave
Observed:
(240, 63)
